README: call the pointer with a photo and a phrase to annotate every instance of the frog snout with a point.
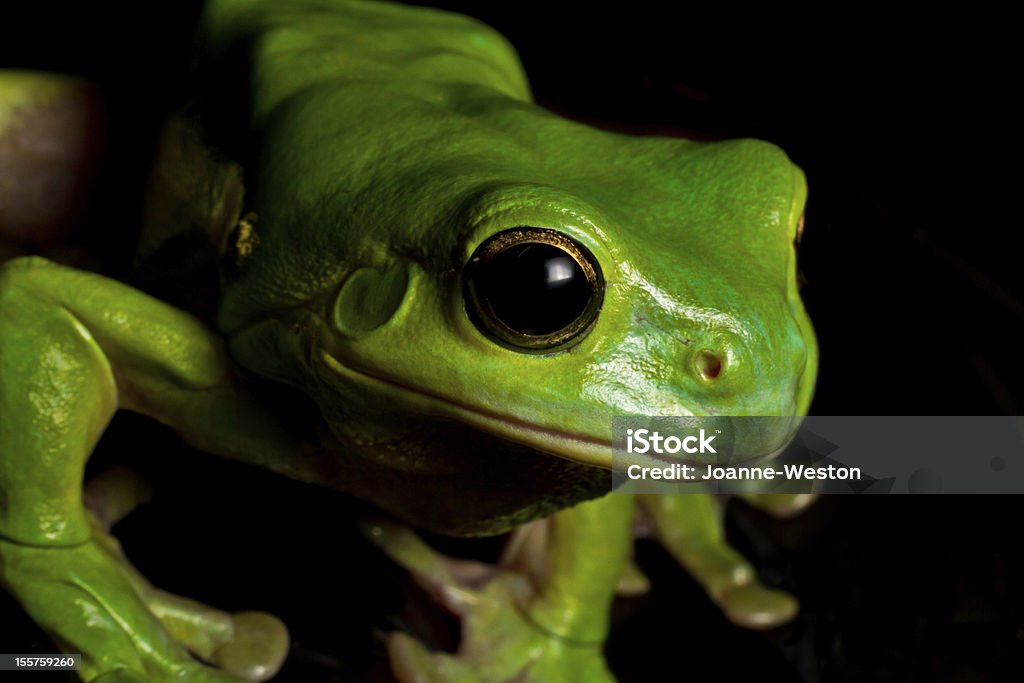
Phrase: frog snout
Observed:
(743, 377)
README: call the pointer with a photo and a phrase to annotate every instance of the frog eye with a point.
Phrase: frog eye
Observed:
(533, 290)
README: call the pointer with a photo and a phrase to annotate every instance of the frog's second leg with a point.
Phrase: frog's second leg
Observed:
(690, 528)
(75, 347)
(518, 625)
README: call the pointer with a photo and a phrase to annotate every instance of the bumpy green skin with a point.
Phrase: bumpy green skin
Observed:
(394, 141)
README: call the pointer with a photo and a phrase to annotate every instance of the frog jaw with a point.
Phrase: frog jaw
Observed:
(578, 448)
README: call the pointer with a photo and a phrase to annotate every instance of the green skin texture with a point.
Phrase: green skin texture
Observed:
(394, 141)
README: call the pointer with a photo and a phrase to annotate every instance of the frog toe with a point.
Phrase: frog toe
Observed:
(448, 581)
(257, 649)
(633, 581)
(249, 645)
(497, 650)
(756, 607)
(113, 494)
(411, 662)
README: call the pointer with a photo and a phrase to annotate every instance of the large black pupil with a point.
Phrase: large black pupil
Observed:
(533, 288)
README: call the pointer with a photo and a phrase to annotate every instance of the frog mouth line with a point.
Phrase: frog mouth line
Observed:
(578, 448)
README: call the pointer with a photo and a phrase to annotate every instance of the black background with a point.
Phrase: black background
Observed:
(901, 118)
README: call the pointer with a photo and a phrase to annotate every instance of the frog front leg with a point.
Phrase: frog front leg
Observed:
(542, 623)
(690, 527)
(74, 348)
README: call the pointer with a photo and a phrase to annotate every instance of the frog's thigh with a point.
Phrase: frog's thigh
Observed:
(57, 394)
(690, 528)
(66, 362)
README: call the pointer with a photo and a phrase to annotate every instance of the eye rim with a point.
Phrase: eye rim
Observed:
(483, 316)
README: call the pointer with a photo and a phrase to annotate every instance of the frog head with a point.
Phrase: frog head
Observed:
(470, 293)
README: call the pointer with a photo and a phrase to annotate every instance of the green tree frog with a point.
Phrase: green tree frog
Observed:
(466, 286)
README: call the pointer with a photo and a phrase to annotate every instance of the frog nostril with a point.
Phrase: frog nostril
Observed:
(709, 364)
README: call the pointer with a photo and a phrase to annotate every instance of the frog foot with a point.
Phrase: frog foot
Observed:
(93, 601)
(500, 642)
(690, 529)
